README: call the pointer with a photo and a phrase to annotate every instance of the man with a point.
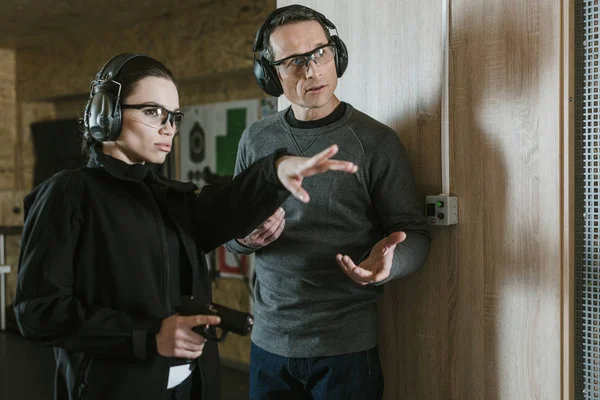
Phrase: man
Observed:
(319, 269)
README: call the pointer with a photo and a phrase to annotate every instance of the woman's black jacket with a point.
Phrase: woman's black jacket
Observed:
(94, 269)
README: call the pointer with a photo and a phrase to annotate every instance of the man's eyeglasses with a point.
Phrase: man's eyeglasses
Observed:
(157, 116)
(295, 64)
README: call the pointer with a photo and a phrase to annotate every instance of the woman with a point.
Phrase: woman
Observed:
(108, 251)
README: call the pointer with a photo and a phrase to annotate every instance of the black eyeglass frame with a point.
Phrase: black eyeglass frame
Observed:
(309, 55)
(170, 114)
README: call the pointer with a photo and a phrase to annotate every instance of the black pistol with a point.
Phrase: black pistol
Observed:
(232, 320)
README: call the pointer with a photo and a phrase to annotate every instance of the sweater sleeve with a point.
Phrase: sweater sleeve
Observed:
(46, 306)
(398, 206)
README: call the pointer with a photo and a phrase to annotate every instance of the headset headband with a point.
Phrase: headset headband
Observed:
(113, 67)
(257, 45)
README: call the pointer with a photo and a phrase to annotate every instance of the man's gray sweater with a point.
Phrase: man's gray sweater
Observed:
(304, 304)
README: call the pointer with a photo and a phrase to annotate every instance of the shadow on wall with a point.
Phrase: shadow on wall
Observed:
(471, 323)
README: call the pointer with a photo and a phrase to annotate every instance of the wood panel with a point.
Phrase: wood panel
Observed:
(482, 320)
(8, 127)
(507, 141)
(11, 207)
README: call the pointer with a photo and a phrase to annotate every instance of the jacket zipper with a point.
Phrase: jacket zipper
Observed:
(167, 269)
(168, 297)
(166, 274)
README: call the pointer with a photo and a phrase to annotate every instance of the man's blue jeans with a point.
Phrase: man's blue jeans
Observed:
(344, 377)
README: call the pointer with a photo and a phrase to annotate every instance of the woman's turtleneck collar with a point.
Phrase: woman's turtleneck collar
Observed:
(116, 167)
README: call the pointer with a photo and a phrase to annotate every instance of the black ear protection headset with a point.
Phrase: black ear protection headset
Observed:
(103, 110)
(265, 73)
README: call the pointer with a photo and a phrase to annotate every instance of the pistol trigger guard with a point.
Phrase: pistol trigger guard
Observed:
(208, 334)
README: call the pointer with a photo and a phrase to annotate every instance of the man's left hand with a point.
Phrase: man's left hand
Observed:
(377, 266)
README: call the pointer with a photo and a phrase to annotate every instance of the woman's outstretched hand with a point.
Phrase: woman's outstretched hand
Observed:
(291, 170)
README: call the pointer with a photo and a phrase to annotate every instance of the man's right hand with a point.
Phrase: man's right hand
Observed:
(177, 339)
(267, 232)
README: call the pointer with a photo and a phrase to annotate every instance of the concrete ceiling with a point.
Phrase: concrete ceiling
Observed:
(25, 23)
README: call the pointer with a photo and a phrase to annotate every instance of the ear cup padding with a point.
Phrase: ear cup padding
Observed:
(267, 78)
(341, 55)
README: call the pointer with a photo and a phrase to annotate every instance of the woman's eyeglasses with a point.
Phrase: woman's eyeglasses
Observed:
(157, 116)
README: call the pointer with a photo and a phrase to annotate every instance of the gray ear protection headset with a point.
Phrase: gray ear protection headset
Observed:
(103, 110)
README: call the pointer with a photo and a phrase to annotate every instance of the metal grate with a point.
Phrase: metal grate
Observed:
(587, 198)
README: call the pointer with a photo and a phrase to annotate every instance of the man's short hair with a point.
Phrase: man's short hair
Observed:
(291, 15)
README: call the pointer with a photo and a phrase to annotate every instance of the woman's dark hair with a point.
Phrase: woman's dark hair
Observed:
(296, 13)
(129, 75)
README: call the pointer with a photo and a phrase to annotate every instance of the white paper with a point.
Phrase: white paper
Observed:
(178, 374)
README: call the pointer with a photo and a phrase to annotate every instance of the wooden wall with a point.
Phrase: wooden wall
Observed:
(482, 319)
(8, 105)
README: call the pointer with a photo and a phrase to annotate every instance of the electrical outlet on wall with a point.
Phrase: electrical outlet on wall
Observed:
(441, 210)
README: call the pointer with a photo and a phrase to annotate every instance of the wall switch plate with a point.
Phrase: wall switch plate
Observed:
(441, 210)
